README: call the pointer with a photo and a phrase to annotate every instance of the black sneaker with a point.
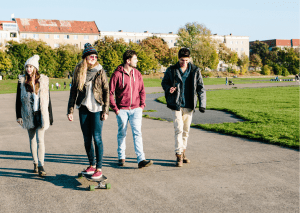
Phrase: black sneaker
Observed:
(145, 163)
(121, 162)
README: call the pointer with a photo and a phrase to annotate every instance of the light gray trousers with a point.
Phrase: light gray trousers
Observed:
(37, 145)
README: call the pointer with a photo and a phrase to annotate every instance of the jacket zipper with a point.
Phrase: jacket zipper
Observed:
(130, 91)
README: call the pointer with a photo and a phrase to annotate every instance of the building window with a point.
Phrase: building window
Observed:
(95, 37)
(56, 45)
(13, 35)
(66, 36)
(231, 42)
(35, 36)
(237, 42)
(24, 35)
(56, 36)
(242, 42)
(242, 49)
(47, 36)
(4, 35)
(75, 37)
(237, 49)
(75, 45)
(86, 37)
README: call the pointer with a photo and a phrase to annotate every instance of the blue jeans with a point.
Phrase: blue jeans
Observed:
(91, 127)
(134, 117)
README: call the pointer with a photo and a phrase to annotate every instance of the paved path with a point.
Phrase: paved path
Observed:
(226, 174)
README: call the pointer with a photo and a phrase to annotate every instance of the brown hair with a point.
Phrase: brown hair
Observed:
(128, 55)
(28, 81)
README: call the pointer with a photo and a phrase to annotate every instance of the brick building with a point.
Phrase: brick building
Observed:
(280, 43)
(56, 32)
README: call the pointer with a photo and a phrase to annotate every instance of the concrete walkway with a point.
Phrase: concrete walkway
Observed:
(226, 174)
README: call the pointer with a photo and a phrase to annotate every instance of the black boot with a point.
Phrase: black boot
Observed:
(42, 172)
(35, 169)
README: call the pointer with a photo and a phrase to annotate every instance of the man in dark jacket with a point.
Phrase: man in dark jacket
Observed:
(182, 84)
(126, 83)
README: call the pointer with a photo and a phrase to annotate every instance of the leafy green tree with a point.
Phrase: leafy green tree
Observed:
(159, 48)
(243, 62)
(20, 51)
(5, 64)
(255, 61)
(67, 57)
(29, 47)
(266, 70)
(146, 60)
(261, 49)
(110, 53)
(198, 39)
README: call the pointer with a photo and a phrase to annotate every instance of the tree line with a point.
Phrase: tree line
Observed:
(279, 61)
(153, 53)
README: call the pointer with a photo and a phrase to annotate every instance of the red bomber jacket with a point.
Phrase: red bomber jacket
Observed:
(128, 89)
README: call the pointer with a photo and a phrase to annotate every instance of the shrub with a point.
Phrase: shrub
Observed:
(277, 69)
(265, 70)
(285, 72)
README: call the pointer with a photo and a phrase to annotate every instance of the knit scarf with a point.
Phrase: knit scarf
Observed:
(81, 75)
(90, 74)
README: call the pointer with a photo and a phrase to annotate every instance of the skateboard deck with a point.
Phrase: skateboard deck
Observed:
(101, 182)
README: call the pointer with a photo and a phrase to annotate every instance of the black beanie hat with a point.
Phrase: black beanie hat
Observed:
(88, 50)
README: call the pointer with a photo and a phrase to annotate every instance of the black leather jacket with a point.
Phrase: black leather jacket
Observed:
(172, 78)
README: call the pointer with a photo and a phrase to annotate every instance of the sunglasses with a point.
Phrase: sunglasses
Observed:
(93, 56)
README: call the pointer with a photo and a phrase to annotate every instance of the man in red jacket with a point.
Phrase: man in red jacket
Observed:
(126, 83)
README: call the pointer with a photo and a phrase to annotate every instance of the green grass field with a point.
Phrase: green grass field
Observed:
(271, 114)
(10, 86)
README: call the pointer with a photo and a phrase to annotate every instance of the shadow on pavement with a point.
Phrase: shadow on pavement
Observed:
(63, 180)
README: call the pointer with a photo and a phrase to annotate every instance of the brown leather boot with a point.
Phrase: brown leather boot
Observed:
(179, 160)
(185, 160)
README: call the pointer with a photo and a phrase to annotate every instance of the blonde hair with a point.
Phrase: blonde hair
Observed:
(80, 72)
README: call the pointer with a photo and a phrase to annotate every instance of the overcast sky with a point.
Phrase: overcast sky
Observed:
(258, 19)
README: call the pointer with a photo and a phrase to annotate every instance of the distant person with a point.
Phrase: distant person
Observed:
(70, 85)
(297, 77)
(34, 111)
(56, 85)
(226, 81)
(90, 93)
(65, 85)
(127, 85)
(182, 84)
(52, 86)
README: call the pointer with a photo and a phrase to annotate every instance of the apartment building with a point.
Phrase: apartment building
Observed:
(57, 32)
(8, 32)
(239, 44)
(170, 38)
(280, 43)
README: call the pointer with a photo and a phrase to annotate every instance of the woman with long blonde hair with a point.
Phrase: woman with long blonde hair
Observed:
(90, 93)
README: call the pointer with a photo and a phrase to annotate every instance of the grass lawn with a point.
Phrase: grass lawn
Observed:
(10, 86)
(271, 114)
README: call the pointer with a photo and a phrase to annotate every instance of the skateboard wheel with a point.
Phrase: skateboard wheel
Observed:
(108, 186)
(92, 188)
(80, 175)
